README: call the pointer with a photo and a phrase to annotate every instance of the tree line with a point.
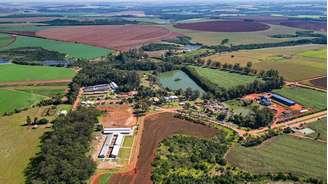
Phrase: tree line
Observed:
(63, 156)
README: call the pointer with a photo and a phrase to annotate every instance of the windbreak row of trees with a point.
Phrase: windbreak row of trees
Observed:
(260, 117)
(63, 156)
(270, 80)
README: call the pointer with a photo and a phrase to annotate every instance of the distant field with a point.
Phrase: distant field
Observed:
(14, 73)
(11, 100)
(282, 153)
(224, 79)
(42, 90)
(5, 40)
(320, 127)
(215, 38)
(293, 63)
(320, 53)
(307, 97)
(20, 144)
(71, 49)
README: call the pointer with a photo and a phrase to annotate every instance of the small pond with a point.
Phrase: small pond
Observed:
(177, 79)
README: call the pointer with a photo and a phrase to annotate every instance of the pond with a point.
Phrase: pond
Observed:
(177, 79)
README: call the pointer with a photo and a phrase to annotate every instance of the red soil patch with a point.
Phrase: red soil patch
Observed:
(313, 25)
(224, 26)
(158, 127)
(121, 37)
(117, 116)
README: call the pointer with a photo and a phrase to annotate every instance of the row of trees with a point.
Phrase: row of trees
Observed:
(159, 46)
(63, 156)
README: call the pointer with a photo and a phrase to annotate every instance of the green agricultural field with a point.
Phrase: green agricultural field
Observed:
(282, 154)
(71, 49)
(320, 128)
(20, 144)
(224, 79)
(319, 53)
(293, 63)
(5, 40)
(236, 38)
(42, 90)
(14, 73)
(11, 100)
(104, 179)
(307, 97)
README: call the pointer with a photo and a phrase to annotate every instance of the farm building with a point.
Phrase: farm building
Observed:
(282, 100)
(105, 148)
(264, 100)
(100, 89)
(118, 131)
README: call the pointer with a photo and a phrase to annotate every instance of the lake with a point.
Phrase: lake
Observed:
(177, 79)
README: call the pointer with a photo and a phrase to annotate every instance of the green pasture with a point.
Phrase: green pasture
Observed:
(320, 128)
(319, 53)
(300, 156)
(11, 100)
(75, 50)
(43, 90)
(223, 78)
(5, 39)
(14, 73)
(307, 97)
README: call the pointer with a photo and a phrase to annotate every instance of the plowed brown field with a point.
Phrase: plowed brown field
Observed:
(120, 37)
(158, 127)
(224, 26)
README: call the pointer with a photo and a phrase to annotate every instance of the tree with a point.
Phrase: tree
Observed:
(224, 41)
(28, 120)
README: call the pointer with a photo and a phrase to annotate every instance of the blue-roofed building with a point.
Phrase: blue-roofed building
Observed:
(264, 100)
(282, 100)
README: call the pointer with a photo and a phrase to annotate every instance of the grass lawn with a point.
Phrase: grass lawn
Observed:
(224, 79)
(71, 49)
(236, 38)
(5, 39)
(124, 155)
(237, 107)
(283, 153)
(11, 100)
(195, 53)
(293, 63)
(14, 73)
(104, 179)
(307, 97)
(18, 144)
(128, 141)
(319, 126)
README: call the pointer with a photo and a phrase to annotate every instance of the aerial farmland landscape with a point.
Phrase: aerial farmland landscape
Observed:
(173, 92)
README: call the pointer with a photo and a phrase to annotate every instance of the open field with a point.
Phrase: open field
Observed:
(293, 63)
(224, 26)
(13, 73)
(223, 78)
(121, 37)
(117, 116)
(20, 144)
(42, 90)
(313, 99)
(158, 127)
(27, 19)
(11, 100)
(320, 82)
(71, 49)
(236, 38)
(5, 40)
(320, 127)
(282, 154)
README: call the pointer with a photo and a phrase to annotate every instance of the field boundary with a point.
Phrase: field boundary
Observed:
(35, 82)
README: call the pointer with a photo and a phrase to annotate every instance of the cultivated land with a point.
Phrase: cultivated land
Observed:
(313, 99)
(71, 49)
(224, 26)
(14, 73)
(11, 100)
(293, 63)
(236, 38)
(5, 40)
(282, 154)
(42, 90)
(121, 37)
(223, 78)
(20, 144)
(320, 82)
(320, 127)
(158, 127)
